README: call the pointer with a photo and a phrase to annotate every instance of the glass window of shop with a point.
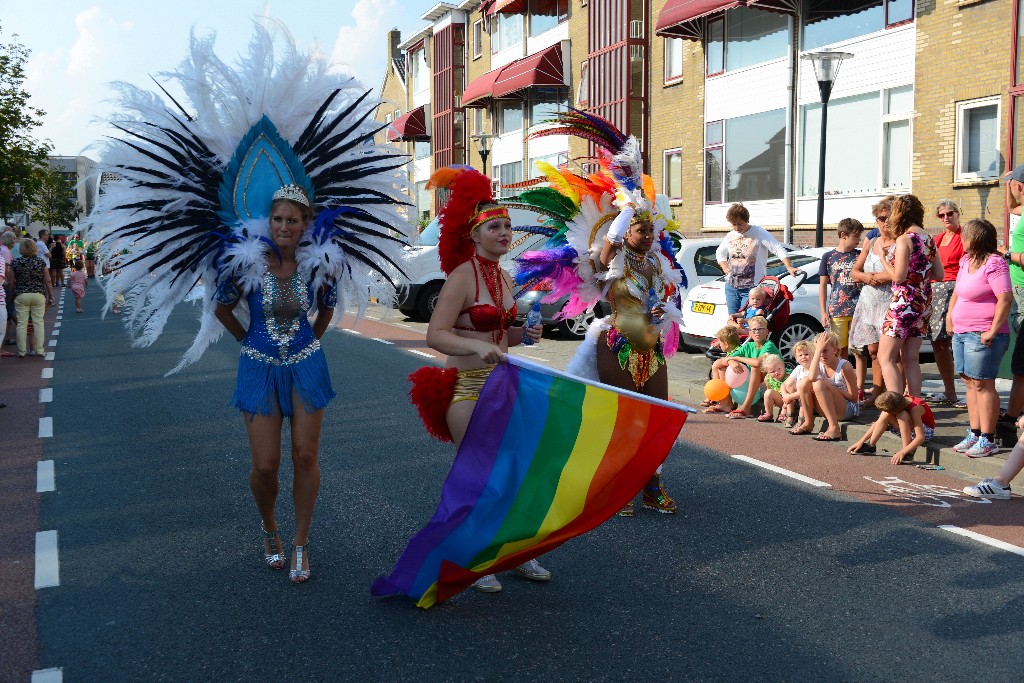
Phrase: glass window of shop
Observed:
(977, 139)
(673, 59)
(714, 154)
(753, 156)
(673, 174)
(547, 14)
(852, 158)
(509, 116)
(421, 149)
(824, 23)
(508, 174)
(754, 36)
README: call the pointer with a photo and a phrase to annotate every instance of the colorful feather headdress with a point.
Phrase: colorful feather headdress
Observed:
(192, 195)
(467, 190)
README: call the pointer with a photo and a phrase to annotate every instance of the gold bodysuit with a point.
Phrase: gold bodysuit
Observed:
(632, 337)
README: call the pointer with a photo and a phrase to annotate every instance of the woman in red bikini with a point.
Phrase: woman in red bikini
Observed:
(472, 321)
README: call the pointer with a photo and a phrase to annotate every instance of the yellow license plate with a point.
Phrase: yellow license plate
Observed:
(700, 307)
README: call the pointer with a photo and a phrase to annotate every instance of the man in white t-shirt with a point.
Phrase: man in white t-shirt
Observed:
(44, 248)
(743, 255)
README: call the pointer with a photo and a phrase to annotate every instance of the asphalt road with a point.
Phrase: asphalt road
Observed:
(760, 577)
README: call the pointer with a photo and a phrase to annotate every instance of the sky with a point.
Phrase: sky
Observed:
(78, 48)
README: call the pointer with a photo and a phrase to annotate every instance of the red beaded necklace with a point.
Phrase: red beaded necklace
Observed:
(495, 283)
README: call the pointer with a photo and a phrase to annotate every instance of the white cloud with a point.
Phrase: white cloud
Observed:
(90, 47)
(361, 49)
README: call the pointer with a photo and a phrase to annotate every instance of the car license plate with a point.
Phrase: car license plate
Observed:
(701, 307)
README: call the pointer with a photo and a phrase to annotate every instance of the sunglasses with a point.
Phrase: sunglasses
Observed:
(947, 215)
(881, 219)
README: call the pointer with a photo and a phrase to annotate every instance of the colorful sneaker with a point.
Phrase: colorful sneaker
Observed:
(655, 498)
(982, 449)
(627, 510)
(487, 584)
(988, 488)
(967, 443)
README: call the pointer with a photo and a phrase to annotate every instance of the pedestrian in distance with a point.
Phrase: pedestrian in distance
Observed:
(908, 417)
(79, 283)
(472, 321)
(32, 296)
(58, 262)
(978, 312)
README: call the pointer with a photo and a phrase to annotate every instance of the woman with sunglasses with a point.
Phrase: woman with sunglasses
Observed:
(951, 248)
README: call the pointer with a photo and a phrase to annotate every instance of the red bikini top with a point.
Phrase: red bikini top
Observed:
(487, 317)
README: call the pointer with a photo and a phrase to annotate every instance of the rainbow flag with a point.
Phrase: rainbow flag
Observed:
(547, 457)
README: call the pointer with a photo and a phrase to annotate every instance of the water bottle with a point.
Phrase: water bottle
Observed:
(652, 302)
(532, 319)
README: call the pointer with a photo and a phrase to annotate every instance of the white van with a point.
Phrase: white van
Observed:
(423, 265)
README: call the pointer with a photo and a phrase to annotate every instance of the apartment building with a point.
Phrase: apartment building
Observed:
(930, 100)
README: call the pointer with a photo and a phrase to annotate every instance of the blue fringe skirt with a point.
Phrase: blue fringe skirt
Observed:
(266, 389)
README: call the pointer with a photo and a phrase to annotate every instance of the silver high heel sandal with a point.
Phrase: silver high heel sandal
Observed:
(273, 560)
(299, 575)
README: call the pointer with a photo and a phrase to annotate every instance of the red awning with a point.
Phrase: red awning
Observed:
(679, 18)
(546, 68)
(507, 7)
(409, 126)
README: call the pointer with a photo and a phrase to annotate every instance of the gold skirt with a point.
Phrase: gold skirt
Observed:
(470, 383)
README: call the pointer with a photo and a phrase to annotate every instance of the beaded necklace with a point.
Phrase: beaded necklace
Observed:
(635, 262)
(491, 273)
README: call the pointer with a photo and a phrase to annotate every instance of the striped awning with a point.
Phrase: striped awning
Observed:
(543, 69)
(409, 126)
(682, 18)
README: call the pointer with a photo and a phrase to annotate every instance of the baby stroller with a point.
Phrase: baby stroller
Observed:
(776, 309)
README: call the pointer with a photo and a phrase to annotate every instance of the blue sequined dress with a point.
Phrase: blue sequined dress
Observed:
(280, 352)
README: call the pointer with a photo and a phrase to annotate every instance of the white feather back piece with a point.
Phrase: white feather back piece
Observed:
(584, 362)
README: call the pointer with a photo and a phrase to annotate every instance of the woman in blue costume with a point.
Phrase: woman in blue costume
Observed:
(282, 373)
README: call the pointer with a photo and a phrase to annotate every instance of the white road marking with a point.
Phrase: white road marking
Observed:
(55, 333)
(52, 342)
(45, 427)
(47, 563)
(59, 317)
(383, 341)
(981, 538)
(57, 324)
(345, 329)
(49, 355)
(408, 327)
(47, 373)
(46, 395)
(421, 353)
(44, 476)
(785, 472)
(48, 676)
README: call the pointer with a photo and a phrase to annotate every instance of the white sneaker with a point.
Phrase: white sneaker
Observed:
(982, 449)
(487, 584)
(533, 571)
(967, 443)
(988, 488)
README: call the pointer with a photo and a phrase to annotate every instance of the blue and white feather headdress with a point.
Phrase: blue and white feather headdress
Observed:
(192, 196)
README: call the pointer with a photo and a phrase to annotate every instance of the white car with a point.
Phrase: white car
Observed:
(705, 312)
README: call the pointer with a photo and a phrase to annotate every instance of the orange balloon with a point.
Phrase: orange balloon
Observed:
(716, 389)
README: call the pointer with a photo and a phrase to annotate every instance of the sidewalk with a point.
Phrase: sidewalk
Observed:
(689, 372)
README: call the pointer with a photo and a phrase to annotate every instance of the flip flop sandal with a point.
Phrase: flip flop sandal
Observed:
(765, 417)
(713, 409)
(707, 403)
(822, 437)
(738, 415)
(864, 449)
(800, 432)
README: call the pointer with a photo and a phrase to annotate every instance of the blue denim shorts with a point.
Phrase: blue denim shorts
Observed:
(973, 359)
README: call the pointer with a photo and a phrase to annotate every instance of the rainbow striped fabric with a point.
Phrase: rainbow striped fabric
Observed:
(546, 458)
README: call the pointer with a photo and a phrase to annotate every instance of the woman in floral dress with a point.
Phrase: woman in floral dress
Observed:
(913, 263)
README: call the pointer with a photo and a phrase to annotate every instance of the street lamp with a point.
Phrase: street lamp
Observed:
(826, 69)
(483, 145)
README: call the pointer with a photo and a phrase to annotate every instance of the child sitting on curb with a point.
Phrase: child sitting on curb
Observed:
(998, 487)
(749, 353)
(906, 416)
(756, 300)
(803, 351)
(728, 340)
(832, 391)
(774, 370)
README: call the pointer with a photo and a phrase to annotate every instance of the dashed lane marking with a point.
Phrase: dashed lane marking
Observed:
(383, 341)
(47, 563)
(48, 676)
(345, 329)
(421, 353)
(47, 373)
(981, 538)
(408, 327)
(57, 324)
(55, 333)
(784, 472)
(45, 427)
(49, 355)
(46, 395)
(52, 342)
(45, 480)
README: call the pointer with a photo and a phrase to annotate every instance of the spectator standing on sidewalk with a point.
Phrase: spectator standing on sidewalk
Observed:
(743, 256)
(32, 294)
(1014, 201)
(951, 249)
(7, 243)
(43, 245)
(978, 312)
(838, 292)
(998, 487)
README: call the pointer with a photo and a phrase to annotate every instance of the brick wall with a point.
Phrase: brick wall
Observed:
(963, 53)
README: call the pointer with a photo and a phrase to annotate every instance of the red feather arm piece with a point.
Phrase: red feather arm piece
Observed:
(432, 391)
(468, 189)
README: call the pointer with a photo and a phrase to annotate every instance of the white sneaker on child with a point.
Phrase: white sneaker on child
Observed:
(989, 488)
(968, 441)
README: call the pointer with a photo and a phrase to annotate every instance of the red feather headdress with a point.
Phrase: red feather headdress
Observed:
(468, 188)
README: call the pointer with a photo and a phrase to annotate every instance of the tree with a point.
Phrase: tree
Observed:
(53, 203)
(21, 155)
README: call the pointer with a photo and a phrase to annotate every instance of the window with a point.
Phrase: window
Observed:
(478, 120)
(547, 14)
(896, 137)
(421, 149)
(423, 199)
(854, 132)
(745, 37)
(713, 158)
(977, 139)
(506, 31)
(508, 174)
(545, 103)
(706, 264)
(714, 51)
(387, 118)
(398, 113)
(509, 116)
(673, 59)
(673, 174)
(583, 91)
(824, 24)
(478, 39)
(556, 160)
(418, 68)
(745, 157)
(777, 268)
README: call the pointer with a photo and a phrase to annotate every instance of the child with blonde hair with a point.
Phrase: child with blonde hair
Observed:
(831, 391)
(907, 416)
(774, 370)
(749, 353)
(756, 300)
(728, 340)
(803, 352)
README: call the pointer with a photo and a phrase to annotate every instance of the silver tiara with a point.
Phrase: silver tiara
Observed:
(293, 193)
